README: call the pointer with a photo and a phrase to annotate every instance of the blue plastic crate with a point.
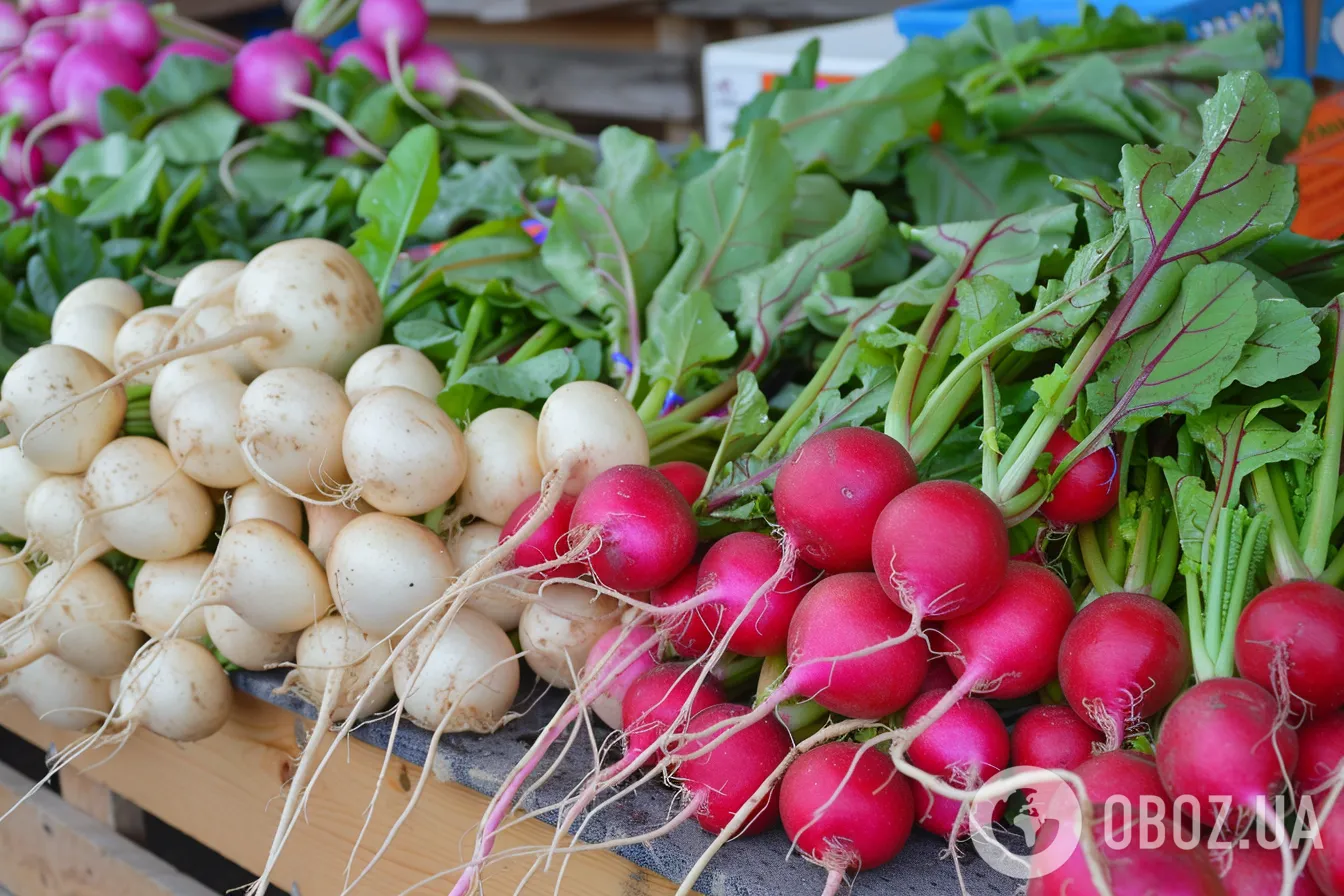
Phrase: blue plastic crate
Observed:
(1330, 52)
(1203, 18)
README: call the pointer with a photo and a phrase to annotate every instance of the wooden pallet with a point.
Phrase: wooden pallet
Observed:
(225, 792)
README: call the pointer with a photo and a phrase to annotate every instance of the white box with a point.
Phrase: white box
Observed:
(736, 70)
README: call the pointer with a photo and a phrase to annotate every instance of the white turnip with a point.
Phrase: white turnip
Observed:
(383, 569)
(394, 365)
(148, 508)
(502, 464)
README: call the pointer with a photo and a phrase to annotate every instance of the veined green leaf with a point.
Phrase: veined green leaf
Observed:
(1286, 342)
(395, 201)
(1249, 440)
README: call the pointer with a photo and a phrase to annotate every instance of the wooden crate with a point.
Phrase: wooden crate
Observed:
(227, 792)
(516, 10)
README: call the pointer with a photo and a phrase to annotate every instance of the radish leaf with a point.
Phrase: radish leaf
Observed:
(1286, 341)
(396, 199)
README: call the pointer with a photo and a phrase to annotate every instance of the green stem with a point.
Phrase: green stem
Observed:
(1215, 585)
(803, 403)
(692, 410)
(462, 358)
(1114, 547)
(1023, 503)
(1168, 559)
(989, 439)
(927, 436)
(652, 405)
(1288, 563)
(1203, 664)
(1325, 479)
(932, 372)
(1145, 534)
(1094, 561)
(1224, 667)
(434, 518)
(536, 343)
(1283, 497)
(690, 434)
(1334, 573)
(901, 407)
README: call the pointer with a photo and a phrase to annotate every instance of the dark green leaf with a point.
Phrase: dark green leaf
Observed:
(529, 382)
(128, 195)
(475, 192)
(182, 82)
(177, 203)
(198, 136)
(947, 184)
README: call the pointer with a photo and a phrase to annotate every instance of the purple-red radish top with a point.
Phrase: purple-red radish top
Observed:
(26, 94)
(689, 633)
(84, 72)
(263, 72)
(1253, 869)
(1320, 752)
(654, 701)
(686, 477)
(830, 492)
(940, 549)
(192, 48)
(609, 652)
(402, 21)
(41, 51)
(645, 529)
(1087, 491)
(724, 779)
(436, 72)
(1052, 737)
(966, 746)
(305, 47)
(123, 24)
(364, 53)
(1124, 657)
(13, 27)
(1299, 628)
(549, 542)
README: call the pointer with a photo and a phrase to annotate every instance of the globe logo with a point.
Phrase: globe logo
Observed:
(1051, 824)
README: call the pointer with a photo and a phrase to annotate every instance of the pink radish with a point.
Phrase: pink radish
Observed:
(41, 51)
(731, 573)
(189, 48)
(266, 76)
(610, 649)
(402, 23)
(12, 166)
(56, 147)
(1087, 491)
(842, 819)
(654, 702)
(940, 549)
(723, 780)
(1256, 870)
(686, 477)
(81, 76)
(122, 24)
(52, 8)
(1320, 750)
(364, 53)
(1296, 628)
(1223, 738)
(1010, 644)
(340, 146)
(938, 677)
(1124, 658)
(1052, 737)
(1326, 862)
(645, 530)
(13, 27)
(1136, 870)
(831, 491)
(687, 632)
(27, 95)
(436, 72)
(546, 544)
(300, 45)
(966, 746)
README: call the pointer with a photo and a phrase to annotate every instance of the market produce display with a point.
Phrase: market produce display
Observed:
(977, 416)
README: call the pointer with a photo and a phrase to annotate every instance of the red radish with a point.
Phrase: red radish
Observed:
(1297, 627)
(966, 746)
(686, 477)
(12, 165)
(645, 530)
(731, 573)
(656, 699)
(50, 8)
(340, 146)
(1010, 644)
(1087, 491)
(41, 51)
(401, 22)
(938, 677)
(723, 780)
(830, 492)
(1161, 869)
(843, 615)
(27, 95)
(304, 47)
(84, 72)
(940, 549)
(1124, 658)
(9, 59)
(13, 27)
(436, 72)
(1052, 737)
(608, 653)
(190, 48)
(121, 24)
(1222, 738)
(687, 632)
(1326, 862)
(1320, 749)
(1256, 870)
(265, 74)
(7, 192)
(1124, 774)
(57, 146)
(547, 543)
(364, 53)
(870, 809)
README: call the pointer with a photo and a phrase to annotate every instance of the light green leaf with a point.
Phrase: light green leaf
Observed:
(986, 307)
(1286, 342)
(819, 202)
(129, 194)
(529, 382)
(684, 333)
(395, 201)
(198, 136)
(1250, 440)
(1089, 286)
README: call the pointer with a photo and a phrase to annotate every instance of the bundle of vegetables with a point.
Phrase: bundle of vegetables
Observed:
(219, 148)
(882, 552)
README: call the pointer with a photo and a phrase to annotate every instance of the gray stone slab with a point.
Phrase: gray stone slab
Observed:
(759, 866)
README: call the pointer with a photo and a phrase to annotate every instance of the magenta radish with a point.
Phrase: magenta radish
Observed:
(13, 27)
(967, 745)
(304, 47)
(26, 95)
(1326, 862)
(1124, 657)
(266, 75)
(1320, 750)
(52, 8)
(723, 780)
(1010, 644)
(123, 24)
(402, 23)
(20, 162)
(841, 819)
(1223, 738)
(193, 49)
(731, 573)
(41, 51)
(658, 700)
(1255, 870)
(644, 529)
(1161, 869)
(339, 146)
(1296, 629)
(687, 632)
(940, 549)
(938, 676)
(81, 76)
(831, 491)
(1052, 737)
(686, 477)
(435, 71)
(548, 543)
(608, 652)
(364, 53)
(1087, 491)
(56, 147)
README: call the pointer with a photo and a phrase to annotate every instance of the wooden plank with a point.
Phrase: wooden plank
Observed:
(102, 805)
(610, 31)
(50, 848)
(517, 10)
(225, 792)
(812, 10)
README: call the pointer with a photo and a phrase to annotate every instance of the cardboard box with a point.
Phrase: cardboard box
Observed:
(734, 71)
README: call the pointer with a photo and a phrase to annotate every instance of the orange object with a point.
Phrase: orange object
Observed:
(1319, 158)
(823, 81)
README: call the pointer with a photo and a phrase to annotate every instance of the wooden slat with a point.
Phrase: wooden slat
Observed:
(102, 805)
(226, 792)
(516, 10)
(814, 10)
(610, 31)
(50, 848)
